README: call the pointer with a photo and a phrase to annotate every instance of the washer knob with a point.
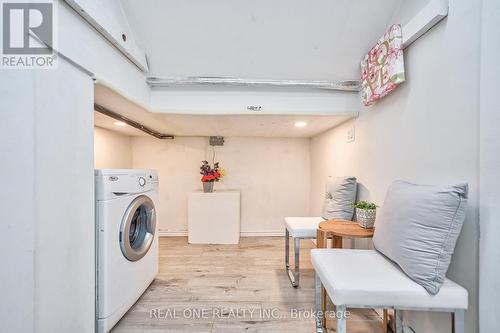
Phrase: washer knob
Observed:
(142, 181)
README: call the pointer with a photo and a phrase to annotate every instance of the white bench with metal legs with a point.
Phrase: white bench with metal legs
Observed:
(299, 228)
(340, 193)
(367, 279)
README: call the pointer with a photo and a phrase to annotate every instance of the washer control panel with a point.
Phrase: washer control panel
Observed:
(111, 183)
(142, 181)
(147, 180)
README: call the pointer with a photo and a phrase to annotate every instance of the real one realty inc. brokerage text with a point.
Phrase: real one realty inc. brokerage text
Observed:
(243, 314)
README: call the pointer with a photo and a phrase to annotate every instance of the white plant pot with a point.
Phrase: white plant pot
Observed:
(366, 217)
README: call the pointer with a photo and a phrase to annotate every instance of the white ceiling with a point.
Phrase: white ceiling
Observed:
(261, 39)
(200, 125)
(234, 125)
(257, 39)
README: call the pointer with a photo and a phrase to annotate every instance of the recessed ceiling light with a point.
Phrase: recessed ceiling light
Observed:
(120, 123)
(300, 124)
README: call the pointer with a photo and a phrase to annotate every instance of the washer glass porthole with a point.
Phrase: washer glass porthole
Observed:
(138, 228)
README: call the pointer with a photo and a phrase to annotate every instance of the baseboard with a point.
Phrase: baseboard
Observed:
(262, 234)
(164, 233)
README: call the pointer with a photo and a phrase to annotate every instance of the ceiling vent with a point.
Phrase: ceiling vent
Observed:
(216, 141)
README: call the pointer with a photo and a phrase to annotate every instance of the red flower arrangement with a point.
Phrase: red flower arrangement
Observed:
(210, 174)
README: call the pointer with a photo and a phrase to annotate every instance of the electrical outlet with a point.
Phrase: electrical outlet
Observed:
(351, 134)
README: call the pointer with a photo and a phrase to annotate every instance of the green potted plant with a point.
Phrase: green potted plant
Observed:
(365, 213)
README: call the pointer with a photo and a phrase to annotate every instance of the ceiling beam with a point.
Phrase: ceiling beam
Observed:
(340, 85)
(429, 16)
(130, 122)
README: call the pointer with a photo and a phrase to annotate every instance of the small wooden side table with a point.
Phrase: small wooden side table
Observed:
(337, 230)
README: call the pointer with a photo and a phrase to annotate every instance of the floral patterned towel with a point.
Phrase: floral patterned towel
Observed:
(382, 69)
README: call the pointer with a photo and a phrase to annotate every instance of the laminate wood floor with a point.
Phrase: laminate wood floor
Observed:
(231, 288)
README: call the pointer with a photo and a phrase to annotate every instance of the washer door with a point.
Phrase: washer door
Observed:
(138, 228)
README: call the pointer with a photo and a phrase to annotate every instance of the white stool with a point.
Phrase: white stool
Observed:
(299, 228)
(366, 279)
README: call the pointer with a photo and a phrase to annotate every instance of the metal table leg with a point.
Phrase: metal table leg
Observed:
(295, 275)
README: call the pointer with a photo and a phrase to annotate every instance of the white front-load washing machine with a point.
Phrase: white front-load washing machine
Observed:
(127, 240)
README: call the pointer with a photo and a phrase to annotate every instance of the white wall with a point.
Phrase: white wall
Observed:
(272, 174)
(47, 247)
(425, 132)
(47, 243)
(17, 280)
(80, 42)
(112, 150)
(489, 283)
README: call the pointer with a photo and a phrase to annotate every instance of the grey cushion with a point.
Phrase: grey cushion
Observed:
(417, 228)
(339, 197)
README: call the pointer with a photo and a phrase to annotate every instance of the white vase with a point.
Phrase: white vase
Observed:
(366, 217)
